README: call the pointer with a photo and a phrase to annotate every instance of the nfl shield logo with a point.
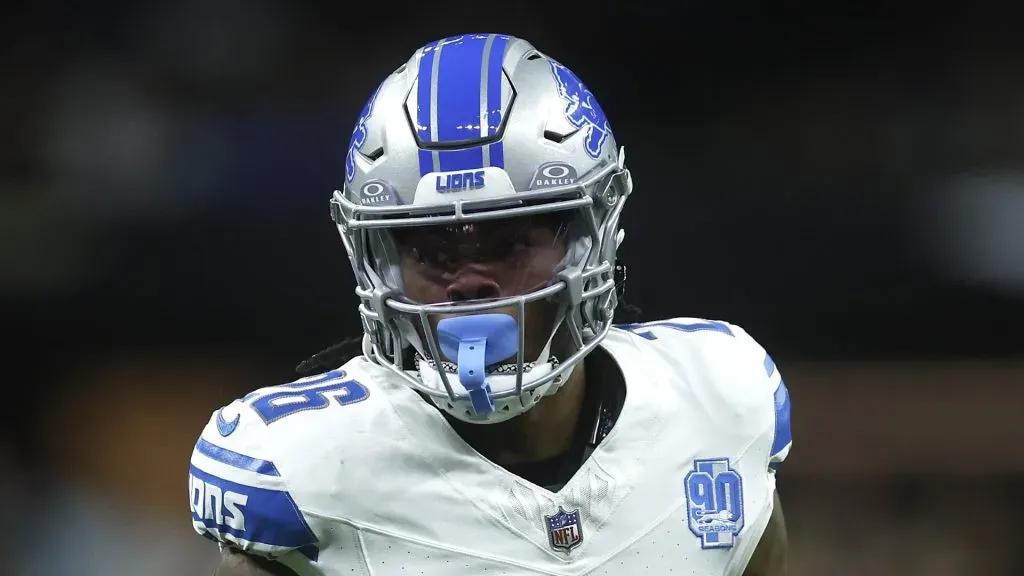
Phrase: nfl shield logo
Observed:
(564, 529)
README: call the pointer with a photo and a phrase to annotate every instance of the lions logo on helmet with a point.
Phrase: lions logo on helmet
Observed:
(358, 137)
(582, 109)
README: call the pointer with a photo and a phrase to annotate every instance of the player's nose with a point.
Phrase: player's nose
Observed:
(473, 285)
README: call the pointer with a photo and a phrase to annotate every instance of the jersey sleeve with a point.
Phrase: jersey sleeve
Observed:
(239, 496)
(766, 376)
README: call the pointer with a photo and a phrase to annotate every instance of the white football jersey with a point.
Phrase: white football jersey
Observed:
(353, 473)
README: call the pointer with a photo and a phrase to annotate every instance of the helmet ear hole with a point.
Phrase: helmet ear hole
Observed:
(374, 155)
(558, 137)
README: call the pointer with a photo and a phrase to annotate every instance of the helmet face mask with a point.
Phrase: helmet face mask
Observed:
(532, 206)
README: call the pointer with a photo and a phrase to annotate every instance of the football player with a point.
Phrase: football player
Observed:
(496, 422)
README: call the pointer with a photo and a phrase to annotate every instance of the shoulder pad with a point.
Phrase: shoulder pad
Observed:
(238, 492)
(746, 374)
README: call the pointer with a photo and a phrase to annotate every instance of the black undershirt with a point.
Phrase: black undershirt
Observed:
(602, 402)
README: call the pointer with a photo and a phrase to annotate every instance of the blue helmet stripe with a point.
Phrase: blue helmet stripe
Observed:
(496, 155)
(459, 89)
(424, 92)
(490, 106)
(459, 101)
(426, 162)
(465, 159)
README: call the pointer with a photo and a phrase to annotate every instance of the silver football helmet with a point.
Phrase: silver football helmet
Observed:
(472, 128)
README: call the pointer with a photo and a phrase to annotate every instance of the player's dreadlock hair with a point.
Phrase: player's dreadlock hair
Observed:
(331, 357)
(349, 348)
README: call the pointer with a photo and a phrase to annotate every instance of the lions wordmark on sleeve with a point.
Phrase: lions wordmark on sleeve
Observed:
(242, 502)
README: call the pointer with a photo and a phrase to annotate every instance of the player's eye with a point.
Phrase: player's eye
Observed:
(446, 248)
(501, 249)
(431, 256)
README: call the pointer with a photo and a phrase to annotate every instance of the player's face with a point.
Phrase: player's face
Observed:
(486, 260)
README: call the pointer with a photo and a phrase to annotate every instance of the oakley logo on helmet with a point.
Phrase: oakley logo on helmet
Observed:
(377, 193)
(553, 174)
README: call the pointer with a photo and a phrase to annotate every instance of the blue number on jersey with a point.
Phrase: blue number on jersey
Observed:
(307, 394)
(643, 330)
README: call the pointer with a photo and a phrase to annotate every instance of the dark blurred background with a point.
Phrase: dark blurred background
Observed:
(845, 180)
